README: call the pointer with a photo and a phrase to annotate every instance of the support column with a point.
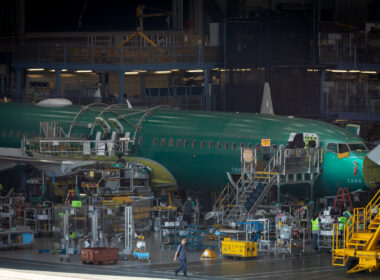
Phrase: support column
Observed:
(278, 204)
(311, 202)
(321, 83)
(58, 83)
(142, 85)
(121, 88)
(207, 90)
(18, 84)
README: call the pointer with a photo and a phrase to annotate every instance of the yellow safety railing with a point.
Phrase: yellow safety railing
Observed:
(372, 207)
(360, 218)
(349, 230)
(337, 243)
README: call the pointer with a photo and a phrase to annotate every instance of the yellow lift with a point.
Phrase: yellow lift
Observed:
(359, 247)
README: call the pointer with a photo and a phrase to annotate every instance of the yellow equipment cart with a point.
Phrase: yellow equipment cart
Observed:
(241, 249)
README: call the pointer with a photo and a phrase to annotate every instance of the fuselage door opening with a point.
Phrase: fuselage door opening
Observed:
(303, 140)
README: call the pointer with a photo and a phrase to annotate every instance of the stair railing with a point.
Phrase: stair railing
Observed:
(224, 197)
(373, 207)
(349, 230)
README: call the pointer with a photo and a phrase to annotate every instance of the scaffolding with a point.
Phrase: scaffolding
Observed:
(262, 168)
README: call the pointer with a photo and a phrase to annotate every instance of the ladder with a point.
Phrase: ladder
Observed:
(358, 249)
(342, 198)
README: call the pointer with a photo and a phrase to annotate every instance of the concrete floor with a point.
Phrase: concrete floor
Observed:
(29, 264)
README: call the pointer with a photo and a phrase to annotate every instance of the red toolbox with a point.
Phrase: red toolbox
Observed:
(100, 255)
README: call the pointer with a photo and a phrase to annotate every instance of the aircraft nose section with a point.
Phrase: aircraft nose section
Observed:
(371, 168)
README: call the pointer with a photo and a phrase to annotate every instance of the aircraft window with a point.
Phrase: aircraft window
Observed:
(242, 145)
(332, 147)
(358, 147)
(4, 133)
(163, 142)
(234, 145)
(11, 133)
(210, 144)
(227, 145)
(155, 141)
(33, 134)
(18, 133)
(179, 142)
(250, 145)
(186, 143)
(343, 148)
(195, 142)
(203, 144)
(171, 142)
(140, 140)
(219, 145)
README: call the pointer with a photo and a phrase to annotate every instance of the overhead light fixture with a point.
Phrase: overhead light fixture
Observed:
(312, 70)
(35, 69)
(163, 72)
(131, 73)
(64, 70)
(83, 71)
(368, 72)
(338, 71)
(51, 70)
(353, 71)
(140, 71)
(175, 70)
(195, 71)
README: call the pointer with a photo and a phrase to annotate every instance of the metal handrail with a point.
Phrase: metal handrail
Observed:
(372, 206)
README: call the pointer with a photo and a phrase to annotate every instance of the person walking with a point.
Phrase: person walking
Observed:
(181, 255)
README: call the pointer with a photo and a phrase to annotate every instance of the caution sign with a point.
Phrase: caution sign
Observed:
(265, 142)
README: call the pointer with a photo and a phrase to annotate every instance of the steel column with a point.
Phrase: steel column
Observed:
(121, 87)
(207, 90)
(278, 204)
(18, 84)
(58, 83)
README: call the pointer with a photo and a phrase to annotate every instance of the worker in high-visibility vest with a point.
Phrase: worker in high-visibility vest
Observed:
(347, 214)
(315, 227)
(341, 223)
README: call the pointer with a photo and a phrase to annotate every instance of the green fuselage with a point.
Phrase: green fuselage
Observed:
(180, 141)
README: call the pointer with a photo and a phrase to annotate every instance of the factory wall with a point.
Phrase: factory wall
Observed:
(294, 91)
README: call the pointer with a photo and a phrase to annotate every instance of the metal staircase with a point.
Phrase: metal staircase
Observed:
(360, 247)
(261, 168)
(252, 187)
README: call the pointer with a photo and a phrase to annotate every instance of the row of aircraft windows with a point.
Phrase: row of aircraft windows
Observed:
(12, 133)
(194, 143)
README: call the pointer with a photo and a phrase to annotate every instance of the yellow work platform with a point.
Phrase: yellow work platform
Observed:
(359, 249)
(236, 248)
